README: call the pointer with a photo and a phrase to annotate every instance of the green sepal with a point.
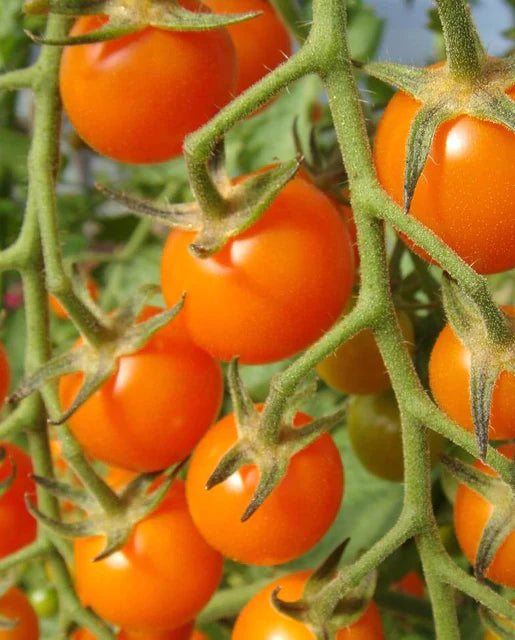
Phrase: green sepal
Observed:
(483, 376)
(499, 526)
(297, 610)
(421, 135)
(501, 627)
(7, 482)
(326, 571)
(66, 491)
(125, 19)
(410, 79)
(245, 203)
(489, 487)
(353, 605)
(497, 108)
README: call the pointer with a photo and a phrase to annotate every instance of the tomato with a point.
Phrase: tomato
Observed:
(182, 633)
(154, 409)
(17, 526)
(466, 193)
(14, 605)
(261, 44)
(259, 620)
(301, 507)
(45, 601)
(135, 98)
(490, 635)
(449, 378)
(5, 376)
(165, 560)
(357, 366)
(58, 308)
(374, 427)
(411, 584)
(471, 513)
(272, 290)
(198, 635)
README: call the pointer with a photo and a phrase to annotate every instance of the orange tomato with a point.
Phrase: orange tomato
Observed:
(471, 513)
(449, 378)
(411, 584)
(466, 193)
(183, 633)
(14, 605)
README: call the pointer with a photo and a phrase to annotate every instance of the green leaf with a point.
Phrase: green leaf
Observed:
(365, 31)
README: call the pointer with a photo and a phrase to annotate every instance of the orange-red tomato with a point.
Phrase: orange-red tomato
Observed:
(58, 308)
(449, 378)
(466, 193)
(14, 605)
(198, 635)
(5, 376)
(135, 98)
(182, 633)
(17, 526)
(154, 409)
(471, 513)
(411, 584)
(165, 557)
(272, 290)
(259, 620)
(291, 520)
(261, 43)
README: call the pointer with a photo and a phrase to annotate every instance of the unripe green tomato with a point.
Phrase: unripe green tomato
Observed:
(374, 427)
(44, 601)
(357, 367)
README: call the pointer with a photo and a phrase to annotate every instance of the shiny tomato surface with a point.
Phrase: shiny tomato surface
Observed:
(466, 193)
(155, 408)
(272, 290)
(259, 620)
(449, 378)
(135, 98)
(165, 557)
(290, 521)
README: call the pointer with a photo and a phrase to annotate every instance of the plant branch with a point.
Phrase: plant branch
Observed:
(18, 79)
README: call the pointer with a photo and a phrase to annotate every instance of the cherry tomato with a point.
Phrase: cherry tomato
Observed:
(374, 427)
(259, 620)
(45, 601)
(261, 43)
(411, 584)
(17, 526)
(449, 378)
(271, 291)
(471, 513)
(135, 98)
(357, 366)
(301, 507)
(58, 308)
(466, 193)
(182, 633)
(14, 605)
(165, 557)
(198, 635)
(5, 376)
(154, 409)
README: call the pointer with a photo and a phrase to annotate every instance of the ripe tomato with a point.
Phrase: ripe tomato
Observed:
(471, 513)
(182, 633)
(154, 409)
(411, 584)
(261, 43)
(58, 308)
(301, 507)
(374, 427)
(5, 377)
(466, 193)
(271, 291)
(259, 620)
(198, 635)
(165, 557)
(135, 98)
(14, 605)
(357, 366)
(449, 378)
(17, 526)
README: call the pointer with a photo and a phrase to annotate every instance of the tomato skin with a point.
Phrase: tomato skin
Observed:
(135, 98)
(17, 527)
(15, 605)
(5, 376)
(136, 423)
(258, 620)
(471, 513)
(165, 556)
(411, 584)
(182, 633)
(261, 44)
(271, 291)
(310, 493)
(58, 309)
(449, 378)
(375, 433)
(466, 193)
(357, 367)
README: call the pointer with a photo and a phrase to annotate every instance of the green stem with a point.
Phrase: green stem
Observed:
(18, 79)
(291, 17)
(22, 417)
(38, 549)
(465, 52)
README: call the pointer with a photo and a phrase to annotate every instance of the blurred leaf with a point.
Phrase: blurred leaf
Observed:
(14, 147)
(364, 32)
